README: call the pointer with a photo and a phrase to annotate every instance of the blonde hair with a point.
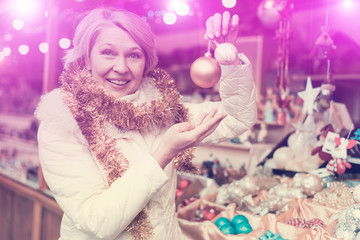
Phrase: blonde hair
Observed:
(88, 29)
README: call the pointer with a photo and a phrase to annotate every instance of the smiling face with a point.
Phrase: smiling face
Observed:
(117, 62)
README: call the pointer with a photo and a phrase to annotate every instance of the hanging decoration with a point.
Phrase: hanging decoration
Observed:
(205, 71)
(284, 8)
(323, 50)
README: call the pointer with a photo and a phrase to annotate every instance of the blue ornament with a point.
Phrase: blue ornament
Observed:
(222, 221)
(357, 135)
(270, 236)
(227, 229)
(239, 219)
(243, 228)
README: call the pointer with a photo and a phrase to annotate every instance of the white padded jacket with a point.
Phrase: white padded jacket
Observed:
(92, 209)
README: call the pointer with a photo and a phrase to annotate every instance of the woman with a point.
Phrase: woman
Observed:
(113, 135)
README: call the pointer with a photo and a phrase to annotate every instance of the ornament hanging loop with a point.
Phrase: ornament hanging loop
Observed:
(208, 51)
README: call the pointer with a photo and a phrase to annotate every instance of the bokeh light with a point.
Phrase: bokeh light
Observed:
(229, 3)
(347, 3)
(43, 47)
(269, 4)
(169, 18)
(151, 14)
(6, 51)
(64, 43)
(26, 8)
(268, 15)
(18, 24)
(181, 8)
(23, 49)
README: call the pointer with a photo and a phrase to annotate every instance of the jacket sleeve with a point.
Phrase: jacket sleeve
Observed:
(81, 190)
(237, 93)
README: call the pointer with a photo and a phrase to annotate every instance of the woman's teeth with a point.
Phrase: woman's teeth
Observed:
(118, 82)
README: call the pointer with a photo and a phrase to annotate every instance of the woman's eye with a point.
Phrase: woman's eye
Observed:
(107, 52)
(134, 55)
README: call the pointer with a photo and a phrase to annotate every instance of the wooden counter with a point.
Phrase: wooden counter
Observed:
(26, 212)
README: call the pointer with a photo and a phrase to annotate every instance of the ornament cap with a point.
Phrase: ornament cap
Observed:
(208, 54)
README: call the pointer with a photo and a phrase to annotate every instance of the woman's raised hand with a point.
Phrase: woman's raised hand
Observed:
(222, 27)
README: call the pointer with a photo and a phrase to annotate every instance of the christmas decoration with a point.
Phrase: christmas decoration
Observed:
(286, 191)
(243, 228)
(186, 202)
(309, 183)
(205, 71)
(270, 236)
(222, 221)
(206, 213)
(303, 223)
(239, 219)
(241, 188)
(296, 156)
(184, 183)
(339, 163)
(357, 135)
(282, 156)
(309, 95)
(348, 225)
(284, 8)
(324, 48)
(273, 204)
(336, 195)
(238, 225)
(227, 229)
(226, 53)
(323, 155)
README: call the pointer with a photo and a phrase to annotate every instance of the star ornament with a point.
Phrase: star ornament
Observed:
(309, 95)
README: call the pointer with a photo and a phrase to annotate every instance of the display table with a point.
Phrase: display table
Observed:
(284, 209)
(26, 212)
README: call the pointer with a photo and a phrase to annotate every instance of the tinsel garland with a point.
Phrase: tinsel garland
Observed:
(92, 106)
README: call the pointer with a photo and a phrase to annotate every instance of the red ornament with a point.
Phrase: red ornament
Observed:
(205, 71)
(184, 184)
(178, 193)
(208, 213)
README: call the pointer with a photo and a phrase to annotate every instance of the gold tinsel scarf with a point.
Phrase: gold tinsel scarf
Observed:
(92, 107)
